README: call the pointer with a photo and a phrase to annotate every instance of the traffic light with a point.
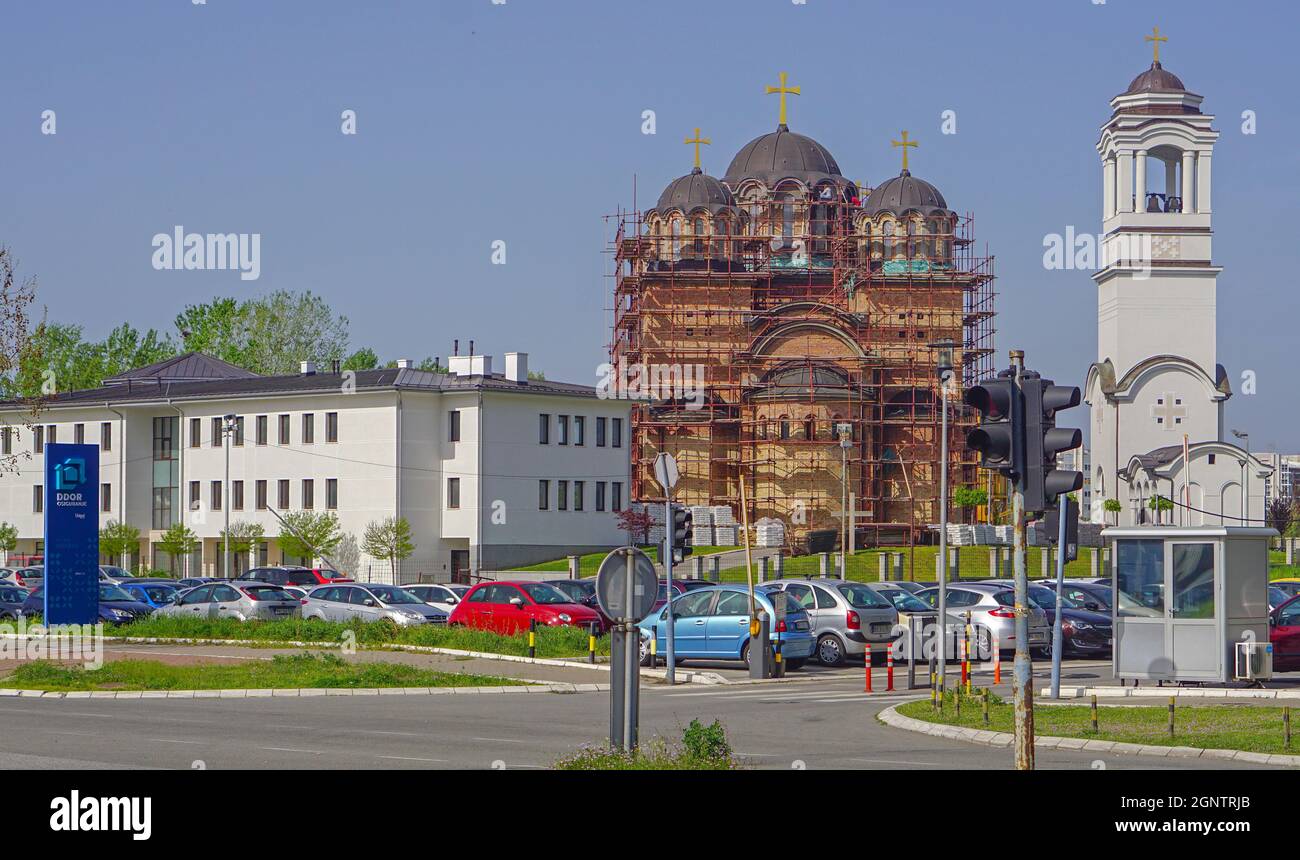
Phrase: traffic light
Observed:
(681, 533)
(1043, 482)
(1000, 438)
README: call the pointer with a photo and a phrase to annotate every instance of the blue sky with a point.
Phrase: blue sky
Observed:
(522, 122)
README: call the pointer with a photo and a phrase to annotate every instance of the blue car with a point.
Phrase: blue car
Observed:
(712, 623)
(156, 593)
(116, 606)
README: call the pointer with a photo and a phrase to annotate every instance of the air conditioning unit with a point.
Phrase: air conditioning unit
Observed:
(1254, 661)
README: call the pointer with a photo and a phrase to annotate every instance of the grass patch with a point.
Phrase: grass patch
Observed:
(1238, 727)
(702, 748)
(589, 564)
(282, 672)
(918, 564)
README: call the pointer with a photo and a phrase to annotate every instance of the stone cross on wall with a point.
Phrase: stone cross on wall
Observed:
(1168, 407)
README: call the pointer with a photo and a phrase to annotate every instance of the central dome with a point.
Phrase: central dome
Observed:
(906, 193)
(782, 154)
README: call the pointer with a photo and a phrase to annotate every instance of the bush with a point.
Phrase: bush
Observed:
(703, 748)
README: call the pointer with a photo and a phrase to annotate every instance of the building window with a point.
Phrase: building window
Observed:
(332, 493)
(616, 496)
(563, 501)
(38, 440)
(562, 421)
(543, 495)
(7, 441)
(105, 436)
(216, 432)
(308, 494)
(543, 429)
(618, 433)
(600, 432)
(578, 487)
(259, 495)
(79, 434)
(214, 494)
(261, 430)
(284, 429)
(453, 425)
(54, 434)
(236, 495)
(453, 493)
(194, 495)
(38, 499)
(239, 432)
(196, 430)
(308, 428)
(282, 491)
(579, 430)
(600, 495)
(105, 498)
(331, 427)
(166, 472)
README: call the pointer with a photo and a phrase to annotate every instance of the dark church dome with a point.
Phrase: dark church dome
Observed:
(782, 154)
(1156, 79)
(905, 193)
(695, 190)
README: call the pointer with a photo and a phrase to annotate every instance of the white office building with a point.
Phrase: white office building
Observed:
(492, 470)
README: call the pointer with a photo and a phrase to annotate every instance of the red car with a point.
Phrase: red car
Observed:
(300, 577)
(507, 607)
(1284, 633)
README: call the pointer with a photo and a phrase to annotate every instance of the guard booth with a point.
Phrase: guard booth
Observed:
(1184, 598)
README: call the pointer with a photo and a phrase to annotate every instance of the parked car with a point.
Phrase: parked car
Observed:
(1289, 584)
(109, 573)
(369, 602)
(192, 581)
(992, 614)
(242, 601)
(116, 606)
(439, 595)
(1084, 595)
(583, 591)
(1083, 631)
(909, 606)
(156, 593)
(712, 623)
(680, 586)
(908, 585)
(1284, 634)
(1276, 597)
(303, 577)
(845, 616)
(12, 598)
(29, 578)
(507, 607)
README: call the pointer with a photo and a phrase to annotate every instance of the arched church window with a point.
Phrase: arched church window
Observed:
(888, 230)
(697, 229)
(785, 427)
(809, 428)
(677, 239)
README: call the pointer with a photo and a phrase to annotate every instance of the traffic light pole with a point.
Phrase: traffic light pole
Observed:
(669, 528)
(1063, 513)
(1022, 679)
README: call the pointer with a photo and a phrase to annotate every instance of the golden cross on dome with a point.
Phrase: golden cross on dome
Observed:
(1155, 39)
(904, 143)
(783, 90)
(697, 140)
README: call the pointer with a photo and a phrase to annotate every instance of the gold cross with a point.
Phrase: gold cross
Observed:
(783, 90)
(1155, 39)
(697, 140)
(904, 143)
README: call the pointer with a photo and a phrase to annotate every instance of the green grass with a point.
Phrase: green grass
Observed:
(590, 563)
(1278, 568)
(551, 641)
(282, 672)
(1239, 727)
(702, 748)
(864, 564)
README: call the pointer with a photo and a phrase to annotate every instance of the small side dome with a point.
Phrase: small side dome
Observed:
(905, 193)
(1156, 80)
(695, 190)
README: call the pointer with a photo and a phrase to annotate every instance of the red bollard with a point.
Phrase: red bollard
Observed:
(867, 659)
(997, 661)
(965, 664)
(889, 669)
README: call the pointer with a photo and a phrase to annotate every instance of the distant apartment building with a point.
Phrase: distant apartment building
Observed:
(1284, 483)
(1078, 460)
(492, 470)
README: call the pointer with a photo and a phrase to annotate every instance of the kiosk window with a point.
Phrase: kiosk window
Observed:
(1193, 581)
(1140, 577)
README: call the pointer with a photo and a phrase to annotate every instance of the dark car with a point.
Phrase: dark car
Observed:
(1082, 595)
(116, 605)
(194, 581)
(1083, 631)
(303, 577)
(583, 593)
(11, 601)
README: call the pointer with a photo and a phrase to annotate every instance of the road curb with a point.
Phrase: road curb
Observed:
(890, 717)
(1166, 692)
(303, 692)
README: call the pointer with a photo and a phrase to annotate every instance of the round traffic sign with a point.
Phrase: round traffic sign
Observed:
(613, 584)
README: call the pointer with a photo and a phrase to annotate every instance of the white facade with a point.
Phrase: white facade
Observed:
(387, 445)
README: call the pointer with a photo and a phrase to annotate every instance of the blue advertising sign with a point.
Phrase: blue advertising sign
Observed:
(71, 534)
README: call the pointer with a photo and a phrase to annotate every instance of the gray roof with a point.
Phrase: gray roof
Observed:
(190, 367)
(782, 154)
(906, 193)
(695, 190)
(1156, 79)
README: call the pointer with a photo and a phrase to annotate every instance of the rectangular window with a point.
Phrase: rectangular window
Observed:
(618, 433)
(7, 441)
(261, 430)
(239, 432)
(579, 430)
(259, 495)
(543, 495)
(563, 501)
(54, 434)
(196, 431)
(332, 493)
(308, 494)
(282, 491)
(79, 434)
(600, 432)
(106, 436)
(38, 440)
(284, 429)
(1140, 577)
(308, 428)
(543, 429)
(38, 499)
(563, 422)
(331, 427)
(577, 494)
(105, 498)
(214, 495)
(453, 425)
(616, 496)
(194, 495)
(216, 432)
(236, 495)
(600, 495)
(453, 493)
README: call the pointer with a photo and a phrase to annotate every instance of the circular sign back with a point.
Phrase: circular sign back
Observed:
(612, 584)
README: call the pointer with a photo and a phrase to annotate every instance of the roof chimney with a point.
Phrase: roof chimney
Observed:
(403, 364)
(336, 366)
(455, 347)
(517, 366)
(308, 368)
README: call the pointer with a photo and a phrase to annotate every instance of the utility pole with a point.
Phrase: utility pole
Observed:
(943, 368)
(229, 424)
(1022, 677)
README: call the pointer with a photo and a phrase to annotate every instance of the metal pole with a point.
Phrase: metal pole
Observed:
(1022, 678)
(844, 507)
(1063, 507)
(631, 661)
(669, 533)
(225, 508)
(943, 533)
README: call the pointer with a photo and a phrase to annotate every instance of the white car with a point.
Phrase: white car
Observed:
(442, 596)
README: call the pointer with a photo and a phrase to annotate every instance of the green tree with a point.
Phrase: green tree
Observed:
(286, 328)
(1112, 506)
(125, 349)
(218, 328)
(8, 538)
(969, 497)
(118, 540)
(309, 534)
(363, 359)
(389, 538)
(16, 297)
(179, 542)
(244, 535)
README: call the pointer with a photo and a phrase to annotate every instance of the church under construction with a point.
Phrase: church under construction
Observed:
(812, 306)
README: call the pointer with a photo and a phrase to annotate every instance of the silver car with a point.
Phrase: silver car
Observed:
(844, 616)
(991, 609)
(439, 595)
(242, 602)
(369, 602)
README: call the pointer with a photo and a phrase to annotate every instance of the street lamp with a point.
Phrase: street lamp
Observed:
(229, 425)
(1245, 477)
(845, 432)
(943, 370)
